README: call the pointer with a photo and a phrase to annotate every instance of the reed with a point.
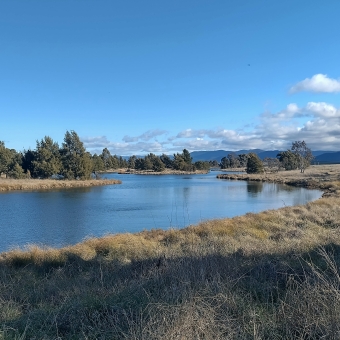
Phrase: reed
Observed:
(47, 184)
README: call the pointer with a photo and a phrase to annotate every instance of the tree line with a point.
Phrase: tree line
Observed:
(298, 157)
(72, 161)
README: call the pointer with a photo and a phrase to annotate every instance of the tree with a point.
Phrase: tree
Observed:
(132, 162)
(157, 164)
(303, 154)
(272, 164)
(47, 161)
(5, 158)
(213, 163)
(225, 163)
(97, 163)
(183, 161)
(233, 161)
(254, 164)
(243, 159)
(166, 160)
(288, 160)
(76, 161)
(16, 171)
(107, 159)
(202, 165)
(27, 161)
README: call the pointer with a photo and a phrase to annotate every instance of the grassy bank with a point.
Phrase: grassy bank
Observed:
(271, 275)
(44, 184)
(315, 177)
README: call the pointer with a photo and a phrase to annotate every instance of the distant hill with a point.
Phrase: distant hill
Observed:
(217, 155)
(328, 157)
(321, 156)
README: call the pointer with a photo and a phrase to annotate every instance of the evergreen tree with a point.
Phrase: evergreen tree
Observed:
(97, 163)
(183, 161)
(115, 162)
(225, 163)
(5, 158)
(202, 165)
(27, 161)
(76, 161)
(243, 159)
(288, 160)
(47, 160)
(166, 160)
(132, 162)
(107, 159)
(254, 164)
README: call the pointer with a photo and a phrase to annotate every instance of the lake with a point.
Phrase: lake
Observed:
(63, 217)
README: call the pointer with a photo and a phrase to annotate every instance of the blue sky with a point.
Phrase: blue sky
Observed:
(159, 76)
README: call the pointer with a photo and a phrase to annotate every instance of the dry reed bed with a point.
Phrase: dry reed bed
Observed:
(271, 275)
(316, 176)
(44, 184)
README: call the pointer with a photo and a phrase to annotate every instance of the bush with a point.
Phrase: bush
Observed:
(254, 164)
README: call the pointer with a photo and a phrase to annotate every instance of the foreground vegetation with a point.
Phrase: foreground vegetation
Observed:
(272, 275)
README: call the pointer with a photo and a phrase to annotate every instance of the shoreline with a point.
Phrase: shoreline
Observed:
(151, 172)
(328, 182)
(315, 177)
(7, 185)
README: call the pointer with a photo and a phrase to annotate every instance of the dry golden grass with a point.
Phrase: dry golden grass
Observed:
(271, 275)
(45, 184)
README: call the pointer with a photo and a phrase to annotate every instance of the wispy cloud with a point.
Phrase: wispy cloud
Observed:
(95, 142)
(146, 136)
(318, 83)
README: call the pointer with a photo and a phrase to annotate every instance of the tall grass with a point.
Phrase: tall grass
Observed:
(44, 184)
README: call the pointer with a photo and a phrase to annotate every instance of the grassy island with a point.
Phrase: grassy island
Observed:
(44, 184)
(271, 275)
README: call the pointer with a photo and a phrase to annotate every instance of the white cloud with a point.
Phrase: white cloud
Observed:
(318, 83)
(95, 142)
(318, 123)
(146, 136)
(322, 109)
(189, 133)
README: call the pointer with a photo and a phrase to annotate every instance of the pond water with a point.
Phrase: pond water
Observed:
(63, 217)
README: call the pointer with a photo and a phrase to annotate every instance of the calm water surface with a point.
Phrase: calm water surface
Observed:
(62, 217)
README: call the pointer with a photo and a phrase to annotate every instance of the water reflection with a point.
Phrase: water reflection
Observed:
(63, 217)
(254, 188)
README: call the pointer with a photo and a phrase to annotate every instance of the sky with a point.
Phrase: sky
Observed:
(160, 76)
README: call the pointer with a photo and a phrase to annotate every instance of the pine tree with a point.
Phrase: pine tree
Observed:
(254, 164)
(47, 159)
(76, 161)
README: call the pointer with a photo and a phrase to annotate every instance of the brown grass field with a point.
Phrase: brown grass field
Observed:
(271, 275)
(47, 184)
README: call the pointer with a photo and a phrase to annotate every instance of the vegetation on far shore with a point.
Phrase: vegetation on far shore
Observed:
(71, 161)
(271, 275)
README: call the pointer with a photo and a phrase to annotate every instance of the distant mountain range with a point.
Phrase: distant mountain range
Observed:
(321, 157)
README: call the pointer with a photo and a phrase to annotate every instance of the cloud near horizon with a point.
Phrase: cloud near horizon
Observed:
(319, 83)
(318, 123)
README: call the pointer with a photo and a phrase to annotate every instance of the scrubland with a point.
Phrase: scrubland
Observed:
(271, 275)
(43, 184)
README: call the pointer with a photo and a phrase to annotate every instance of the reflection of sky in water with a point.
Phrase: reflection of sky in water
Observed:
(63, 217)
